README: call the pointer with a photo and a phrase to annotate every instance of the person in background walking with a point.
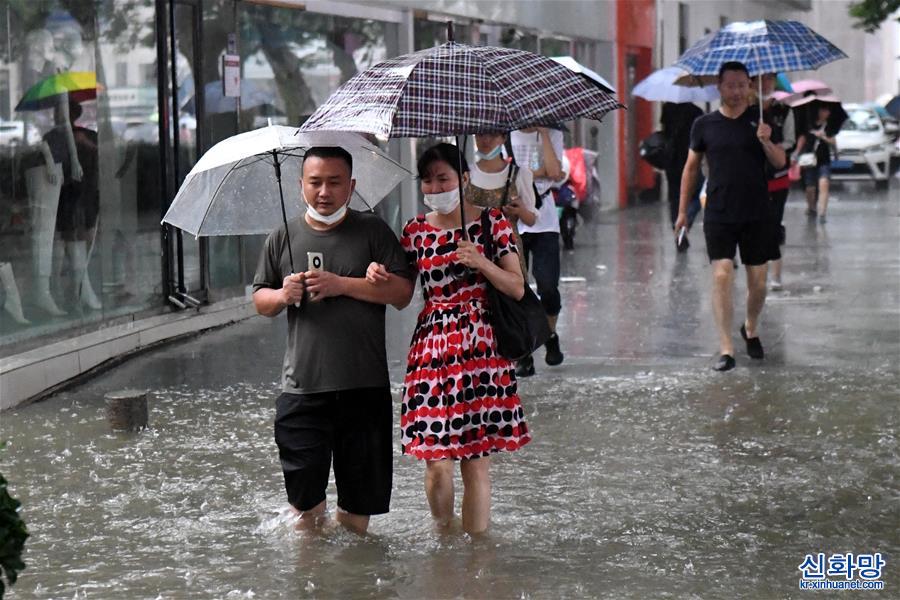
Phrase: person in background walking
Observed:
(460, 399)
(336, 399)
(818, 138)
(736, 146)
(781, 119)
(541, 150)
(498, 183)
(677, 120)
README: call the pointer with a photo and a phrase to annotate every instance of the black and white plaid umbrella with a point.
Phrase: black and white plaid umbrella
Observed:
(455, 89)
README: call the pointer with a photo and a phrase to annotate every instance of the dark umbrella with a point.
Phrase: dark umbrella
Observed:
(893, 107)
(812, 101)
(455, 89)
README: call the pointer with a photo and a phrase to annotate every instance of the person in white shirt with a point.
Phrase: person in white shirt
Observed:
(494, 182)
(540, 149)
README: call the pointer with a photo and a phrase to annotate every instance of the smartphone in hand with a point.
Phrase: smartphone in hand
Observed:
(314, 262)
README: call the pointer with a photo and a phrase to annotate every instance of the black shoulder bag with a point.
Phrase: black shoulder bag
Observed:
(520, 326)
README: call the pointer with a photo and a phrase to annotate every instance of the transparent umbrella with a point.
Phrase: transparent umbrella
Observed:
(660, 86)
(236, 187)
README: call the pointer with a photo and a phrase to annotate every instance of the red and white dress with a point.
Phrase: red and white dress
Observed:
(460, 399)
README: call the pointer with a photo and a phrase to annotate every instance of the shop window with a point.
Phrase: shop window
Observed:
(79, 170)
(429, 33)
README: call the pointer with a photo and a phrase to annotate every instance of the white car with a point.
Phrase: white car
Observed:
(865, 145)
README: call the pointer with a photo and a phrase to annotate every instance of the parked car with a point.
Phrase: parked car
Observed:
(17, 133)
(866, 146)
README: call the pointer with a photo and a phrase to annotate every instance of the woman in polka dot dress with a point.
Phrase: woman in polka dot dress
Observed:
(460, 401)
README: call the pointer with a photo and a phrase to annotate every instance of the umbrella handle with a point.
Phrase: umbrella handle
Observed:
(462, 210)
(287, 234)
(296, 304)
(760, 99)
(759, 80)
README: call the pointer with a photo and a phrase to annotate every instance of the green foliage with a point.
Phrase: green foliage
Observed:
(870, 14)
(12, 536)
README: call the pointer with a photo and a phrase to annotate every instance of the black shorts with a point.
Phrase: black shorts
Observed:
(355, 426)
(753, 238)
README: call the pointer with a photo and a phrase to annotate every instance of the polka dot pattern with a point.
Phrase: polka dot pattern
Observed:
(460, 397)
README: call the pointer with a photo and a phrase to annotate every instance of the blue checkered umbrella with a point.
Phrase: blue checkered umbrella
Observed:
(763, 47)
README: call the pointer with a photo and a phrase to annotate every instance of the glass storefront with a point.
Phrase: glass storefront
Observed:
(96, 135)
(79, 165)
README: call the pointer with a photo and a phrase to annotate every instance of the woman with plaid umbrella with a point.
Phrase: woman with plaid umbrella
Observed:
(460, 399)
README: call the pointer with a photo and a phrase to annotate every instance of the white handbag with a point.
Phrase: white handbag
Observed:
(807, 159)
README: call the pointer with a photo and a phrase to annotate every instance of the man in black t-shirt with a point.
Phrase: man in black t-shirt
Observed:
(336, 398)
(736, 146)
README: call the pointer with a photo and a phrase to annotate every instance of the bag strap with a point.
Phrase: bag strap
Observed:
(487, 233)
(509, 175)
(509, 153)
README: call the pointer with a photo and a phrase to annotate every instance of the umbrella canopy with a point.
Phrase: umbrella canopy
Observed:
(783, 84)
(781, 96)
(79, 85)
(811, 85)
(589, 74)
(810, 100)
(234, 189)
(455, 89)
(795, 100)
(893, 107)
(660, 86)
(762, 46)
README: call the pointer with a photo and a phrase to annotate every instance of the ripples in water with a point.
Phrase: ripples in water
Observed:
(669, 483)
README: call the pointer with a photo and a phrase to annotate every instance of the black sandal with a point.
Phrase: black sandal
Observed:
(754, 346)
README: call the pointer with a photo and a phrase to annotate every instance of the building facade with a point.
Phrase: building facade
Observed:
(86, 176)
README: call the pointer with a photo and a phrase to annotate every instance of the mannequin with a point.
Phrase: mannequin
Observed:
(13, 302)
(42, 181)
(79, 199)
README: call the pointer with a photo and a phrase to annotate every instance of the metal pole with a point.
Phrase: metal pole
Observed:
(162, 132)
(176, 146)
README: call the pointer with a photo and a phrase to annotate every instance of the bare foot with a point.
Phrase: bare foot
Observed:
(450, 526)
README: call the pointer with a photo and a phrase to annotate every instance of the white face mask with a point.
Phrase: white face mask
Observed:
(490, 154)
(331, 219)
(444, 203)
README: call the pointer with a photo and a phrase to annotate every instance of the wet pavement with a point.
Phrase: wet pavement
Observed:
(649, 474)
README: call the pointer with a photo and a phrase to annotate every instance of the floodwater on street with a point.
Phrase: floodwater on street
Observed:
(649, 474)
